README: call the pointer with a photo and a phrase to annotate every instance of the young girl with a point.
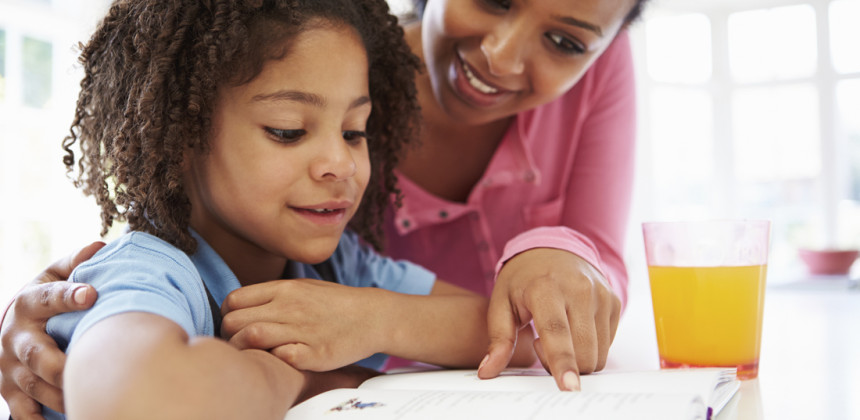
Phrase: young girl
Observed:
(236, 138)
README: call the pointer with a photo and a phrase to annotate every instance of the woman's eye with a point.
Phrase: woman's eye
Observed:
(498, 4)
(285, 136)
(565, 44)
(354, 135)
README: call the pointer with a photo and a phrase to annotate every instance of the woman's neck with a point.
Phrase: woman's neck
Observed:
(452, 155)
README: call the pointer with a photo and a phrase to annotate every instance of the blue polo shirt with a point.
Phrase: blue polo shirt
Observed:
(142, 273)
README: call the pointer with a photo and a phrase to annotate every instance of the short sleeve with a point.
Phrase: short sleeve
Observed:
(357, 264)
(138, 273)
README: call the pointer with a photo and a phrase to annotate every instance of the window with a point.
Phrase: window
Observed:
(37, 66)
(786, 50)
(43, 217)
(844, 34)
(848, 104)
(749, 109)
(2, 65)
(401, 7)
(680, 59)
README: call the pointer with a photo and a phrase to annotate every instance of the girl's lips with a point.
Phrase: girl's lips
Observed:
(472, 88)
(322, 216)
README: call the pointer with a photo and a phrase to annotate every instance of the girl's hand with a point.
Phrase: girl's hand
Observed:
(575, 314)
(31, 365)
(310, 324)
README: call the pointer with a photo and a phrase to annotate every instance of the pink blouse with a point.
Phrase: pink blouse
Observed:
(561, 178)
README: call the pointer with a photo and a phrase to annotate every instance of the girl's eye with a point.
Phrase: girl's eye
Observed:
(565, 44)
(354, 136)
(285, 136)
(498, 4)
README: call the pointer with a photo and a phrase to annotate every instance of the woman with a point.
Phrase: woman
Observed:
(520, 189)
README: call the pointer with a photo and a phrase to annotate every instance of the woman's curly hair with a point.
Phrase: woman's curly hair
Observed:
(151, 73)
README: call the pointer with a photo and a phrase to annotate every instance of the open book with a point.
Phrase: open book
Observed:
(528, 394)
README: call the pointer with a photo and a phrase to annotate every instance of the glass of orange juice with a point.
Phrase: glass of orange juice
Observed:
(707, 290)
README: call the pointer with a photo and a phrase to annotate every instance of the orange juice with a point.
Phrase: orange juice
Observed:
(709, 316)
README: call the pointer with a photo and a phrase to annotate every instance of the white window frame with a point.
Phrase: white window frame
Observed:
(833, 181)
(61, 211)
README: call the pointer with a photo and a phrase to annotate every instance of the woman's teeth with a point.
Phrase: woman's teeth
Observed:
(477, 83)
(321, 211)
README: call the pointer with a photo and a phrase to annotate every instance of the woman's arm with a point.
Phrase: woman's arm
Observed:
(140, 365)
(574, 292)
(319, 325)
(31, 365)
(447, 328)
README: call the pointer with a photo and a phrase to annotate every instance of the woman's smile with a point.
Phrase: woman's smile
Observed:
(472, 87)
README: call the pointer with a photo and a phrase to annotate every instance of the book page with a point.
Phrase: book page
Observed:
(714, 386)
(379, 404)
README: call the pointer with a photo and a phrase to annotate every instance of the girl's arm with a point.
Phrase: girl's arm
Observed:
(318, 325)
(140, 365)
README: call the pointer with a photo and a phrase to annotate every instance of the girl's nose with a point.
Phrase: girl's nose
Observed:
(504, 48)
(334, 161)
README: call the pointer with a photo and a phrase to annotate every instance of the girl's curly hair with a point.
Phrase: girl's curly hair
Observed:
(151, 72)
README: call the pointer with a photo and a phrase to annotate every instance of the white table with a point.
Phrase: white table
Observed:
(810, 356)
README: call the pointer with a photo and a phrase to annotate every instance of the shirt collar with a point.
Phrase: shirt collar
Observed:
(216, 275)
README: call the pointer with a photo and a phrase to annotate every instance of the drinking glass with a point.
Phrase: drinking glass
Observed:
(707, 290)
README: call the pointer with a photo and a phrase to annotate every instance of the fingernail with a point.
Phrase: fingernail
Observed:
(570, 381)
(80, 295)
(484, 362)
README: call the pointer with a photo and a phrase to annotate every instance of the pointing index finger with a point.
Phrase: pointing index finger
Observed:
(553, 328)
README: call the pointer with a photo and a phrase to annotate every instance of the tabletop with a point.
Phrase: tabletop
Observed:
(809, 366)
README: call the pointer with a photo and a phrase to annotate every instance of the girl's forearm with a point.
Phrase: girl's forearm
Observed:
(155, 371)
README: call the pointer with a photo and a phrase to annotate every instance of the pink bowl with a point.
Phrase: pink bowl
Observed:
(828, 261)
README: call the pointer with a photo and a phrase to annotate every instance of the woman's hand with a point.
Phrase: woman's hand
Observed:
(31, 365)
(575, 314)
(310, 324)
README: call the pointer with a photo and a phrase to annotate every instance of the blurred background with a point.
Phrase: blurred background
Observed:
(748, 109)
